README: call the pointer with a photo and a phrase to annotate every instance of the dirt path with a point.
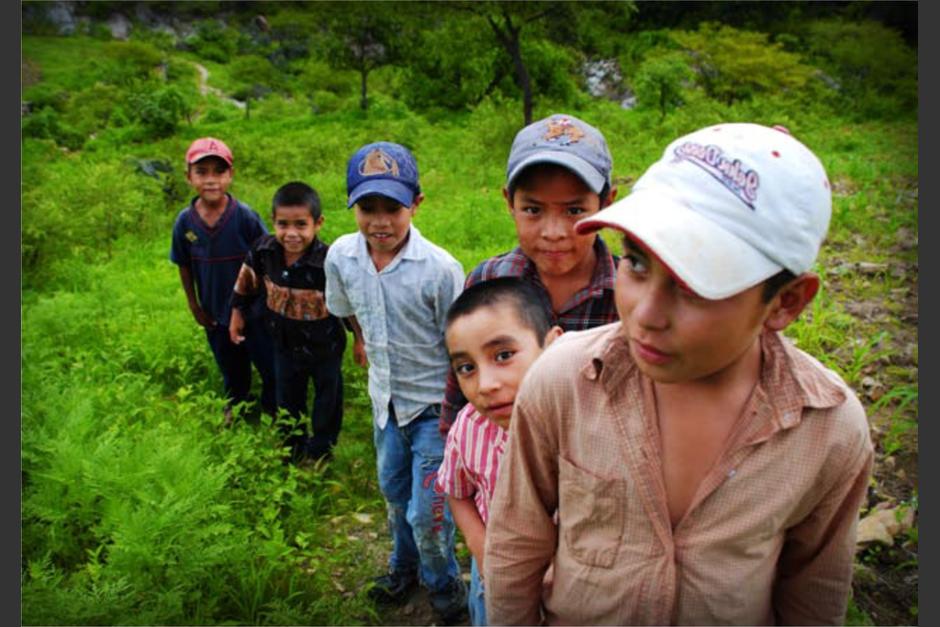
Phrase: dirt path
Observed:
(205, 88)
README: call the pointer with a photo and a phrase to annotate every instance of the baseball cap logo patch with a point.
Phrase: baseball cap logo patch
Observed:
(740, 181)
(377, 162)
(563, 131)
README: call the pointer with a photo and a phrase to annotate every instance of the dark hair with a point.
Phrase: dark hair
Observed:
(519, 294)
(523, 180)
(775, 283)
(294, 194)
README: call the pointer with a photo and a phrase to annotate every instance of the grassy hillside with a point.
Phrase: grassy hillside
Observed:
(139, 508)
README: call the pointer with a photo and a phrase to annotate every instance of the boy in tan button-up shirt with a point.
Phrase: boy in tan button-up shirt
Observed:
(703, 469)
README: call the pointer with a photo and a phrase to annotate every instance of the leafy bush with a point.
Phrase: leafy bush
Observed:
(213, 41)
(47, 124)
(453, 66)
(660, 80)
(161, 110)
(875, 70)
(126, 61)
(92, 204)
(735, 64)
(552, 69)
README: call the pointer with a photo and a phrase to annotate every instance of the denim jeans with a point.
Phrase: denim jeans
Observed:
(326, 417)
(234, 361)
(475, 599)
(419, 520)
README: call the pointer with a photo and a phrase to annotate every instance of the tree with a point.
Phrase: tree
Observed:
(365, 36)
(538, 20)
(659, 80)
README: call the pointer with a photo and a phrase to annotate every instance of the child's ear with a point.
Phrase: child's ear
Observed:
(418, 199)
(553, 334)
(790, 301)
(508, 199)
(611, 196)
(319, 221)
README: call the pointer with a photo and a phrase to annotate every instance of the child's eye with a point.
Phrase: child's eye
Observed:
(534, 211)
(504, 355)
(636, 263)
(576, 211)
(463, 369)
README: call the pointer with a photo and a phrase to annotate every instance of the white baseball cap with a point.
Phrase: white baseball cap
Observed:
(727, 207)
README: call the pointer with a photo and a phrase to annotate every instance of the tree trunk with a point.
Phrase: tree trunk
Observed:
(522, 74)
(363, 101)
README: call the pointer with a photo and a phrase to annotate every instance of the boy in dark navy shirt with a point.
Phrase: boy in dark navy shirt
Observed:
(287, 268)
(210, 239)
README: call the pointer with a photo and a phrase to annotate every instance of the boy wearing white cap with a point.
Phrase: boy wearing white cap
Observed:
(704, 470)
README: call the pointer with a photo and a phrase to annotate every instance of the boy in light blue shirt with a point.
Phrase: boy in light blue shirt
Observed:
(395, 287)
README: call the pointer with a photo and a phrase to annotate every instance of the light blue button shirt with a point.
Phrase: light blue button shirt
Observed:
(401, 311)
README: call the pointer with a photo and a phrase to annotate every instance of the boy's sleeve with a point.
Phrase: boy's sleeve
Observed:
(179, 250)
(449, 287)
(337, 302)
(452, 476)
(814, 571)
(248, 283)
(521, 536)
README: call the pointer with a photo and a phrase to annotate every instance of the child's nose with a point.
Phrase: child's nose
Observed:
(553, 228)
(489, 381)
(650, 310)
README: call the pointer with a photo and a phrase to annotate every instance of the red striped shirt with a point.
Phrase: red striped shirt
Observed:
(472, 454)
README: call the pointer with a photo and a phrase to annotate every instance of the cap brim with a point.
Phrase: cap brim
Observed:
(711, 261)
(585, 171)
(382, 187)
(199, 156)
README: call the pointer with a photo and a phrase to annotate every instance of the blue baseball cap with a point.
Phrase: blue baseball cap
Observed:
(567, 141)
(383, 169)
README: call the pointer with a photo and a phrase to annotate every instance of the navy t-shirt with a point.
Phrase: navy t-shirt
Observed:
(215, 254)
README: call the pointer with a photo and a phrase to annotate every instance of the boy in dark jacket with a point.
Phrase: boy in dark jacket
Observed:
(287, 268)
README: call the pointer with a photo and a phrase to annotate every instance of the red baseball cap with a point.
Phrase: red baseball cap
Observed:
(208, 147)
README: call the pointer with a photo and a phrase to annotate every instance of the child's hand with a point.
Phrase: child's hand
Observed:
(236, 327)
(359, 354)
(202, 317)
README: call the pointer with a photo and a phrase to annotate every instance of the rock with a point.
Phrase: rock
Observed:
(871, 268)
(62, 16)
(905, 238)
(882, 525)
(119, 26)
(604, 79)
(365, 519)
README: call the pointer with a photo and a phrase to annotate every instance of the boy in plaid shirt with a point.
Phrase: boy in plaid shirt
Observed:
(557, 173)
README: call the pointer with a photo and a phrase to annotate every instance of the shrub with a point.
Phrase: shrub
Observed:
(660, 79)
(735, 64)
(161, 110)
(876, 71)
(213, 41)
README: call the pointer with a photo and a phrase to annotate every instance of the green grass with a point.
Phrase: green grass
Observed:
(138, 508)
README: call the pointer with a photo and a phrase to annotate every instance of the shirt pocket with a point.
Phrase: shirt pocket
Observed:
(590, 511)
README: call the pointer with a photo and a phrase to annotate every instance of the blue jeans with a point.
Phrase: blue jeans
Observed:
(326, 416)
(475, 599)
(419, 520)
(234, 361)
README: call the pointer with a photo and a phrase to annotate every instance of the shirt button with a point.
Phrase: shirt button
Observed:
(285, 274)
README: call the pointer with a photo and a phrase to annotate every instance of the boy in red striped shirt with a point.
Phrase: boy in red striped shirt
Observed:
(494, 331)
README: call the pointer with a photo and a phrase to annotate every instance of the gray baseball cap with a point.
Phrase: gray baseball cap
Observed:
(563, 139)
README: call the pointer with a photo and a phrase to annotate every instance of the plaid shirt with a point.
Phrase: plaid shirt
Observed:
(590, 307)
